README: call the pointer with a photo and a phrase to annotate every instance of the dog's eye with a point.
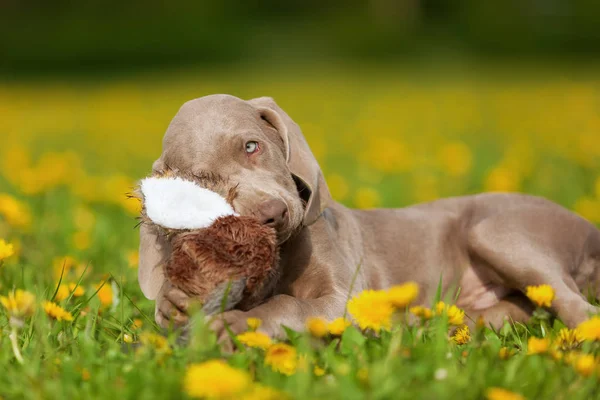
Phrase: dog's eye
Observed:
(251, 147)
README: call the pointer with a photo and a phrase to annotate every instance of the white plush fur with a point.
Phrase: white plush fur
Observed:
(176, 203)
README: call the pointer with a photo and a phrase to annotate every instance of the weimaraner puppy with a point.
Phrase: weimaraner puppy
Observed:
(486, 248)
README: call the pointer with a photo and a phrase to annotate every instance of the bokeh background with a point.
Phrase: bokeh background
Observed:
(401, 101)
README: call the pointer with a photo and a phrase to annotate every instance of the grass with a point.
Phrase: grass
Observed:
(388, 137)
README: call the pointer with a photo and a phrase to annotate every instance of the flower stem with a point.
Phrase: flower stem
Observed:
(15, 346)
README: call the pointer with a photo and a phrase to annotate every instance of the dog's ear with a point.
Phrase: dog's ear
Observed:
(300, 160)
(153, 252)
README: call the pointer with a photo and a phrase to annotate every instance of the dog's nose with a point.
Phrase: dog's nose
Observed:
(272, 212)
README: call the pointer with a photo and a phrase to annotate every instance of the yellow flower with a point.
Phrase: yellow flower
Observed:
(6, 250)
(215, 379)
(76, 289)
(260, 392)
(372, 310)
(568, 338)
(456, 316)
(137, 323)
(318, 371)
(105, 294)
(366, 198)
(338, 326)
(537, 345)
(282, 358)
(505, 353)
(462, 335)
(19, 303)
(590, 329)
(556, 355)
(57, 312)
(316, 326)
(253, 323)
(133, 259)
(81, 240)
(85, 374)
(157, 342)
(541, 295)
(62, 293)
(402, 295)
(496, 393)
(455, 158)
(586, 364)
(127, 338)
(255, 339)
(421, 311)
(15, 212)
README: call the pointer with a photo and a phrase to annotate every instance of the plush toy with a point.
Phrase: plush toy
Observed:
(218, 257)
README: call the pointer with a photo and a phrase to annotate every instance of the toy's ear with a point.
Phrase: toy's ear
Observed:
(300, 160)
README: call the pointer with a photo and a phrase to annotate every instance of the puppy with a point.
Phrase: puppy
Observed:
(486, 248)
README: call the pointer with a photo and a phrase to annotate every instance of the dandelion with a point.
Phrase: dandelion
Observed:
(318, 371)
(316, 326)
(261, 392)
(19, 303)
(338, 326)
(56, 312)
(496, 393)
(105, 293)
(421, 311)
(15, 212)
(402, 295)
(127, 338)
(137, 323)
(133, 259)
(372, 310)
(568, 338)
(255, 339)
(505, 353)
(76, 289)
(462, 335)
(456, 316)
(282, 358)
(157, 342)
(366, 197)
(541, 295)
(215, 379)
(537, 345)
(590, 329)
(62, 293)
(6, 250)
(585, 364)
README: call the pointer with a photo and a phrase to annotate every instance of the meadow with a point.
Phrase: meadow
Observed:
(71, 150)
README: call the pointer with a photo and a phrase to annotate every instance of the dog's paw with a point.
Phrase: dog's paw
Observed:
(234, 321)
(172, 307)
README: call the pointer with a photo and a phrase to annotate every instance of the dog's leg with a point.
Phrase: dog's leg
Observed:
(513, 308)
(533, 247)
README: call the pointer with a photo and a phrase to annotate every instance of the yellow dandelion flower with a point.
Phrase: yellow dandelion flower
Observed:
(137, 323)
(105, 293)
(402, 295)
(568, 338)
(338, 326)
(421, 311)
(157, 342)
(62, 293)
(542, 295)
(462, 335)
(456, 316)
(496, 393)
(260, 392)
(6, 250)
(586, 364)
(253, 323)
(19, 303)
(282, 358)
(127, 338)
(215, 379)
(76, 289)
(255, 339)
(81, 240)
(318, 371)
(455, 158)
(57, 312)
(85, 374)
(440, 307)
(556, 355)
(316, 326)
(15, 212)
(372, 310)
(366, 197)
(537, 345)
(133, 259)
(505, 353)
(590, 329)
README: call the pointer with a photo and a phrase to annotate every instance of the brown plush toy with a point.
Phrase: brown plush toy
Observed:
(222, 259)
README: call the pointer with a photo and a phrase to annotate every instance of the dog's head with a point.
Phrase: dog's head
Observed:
(253, 146)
